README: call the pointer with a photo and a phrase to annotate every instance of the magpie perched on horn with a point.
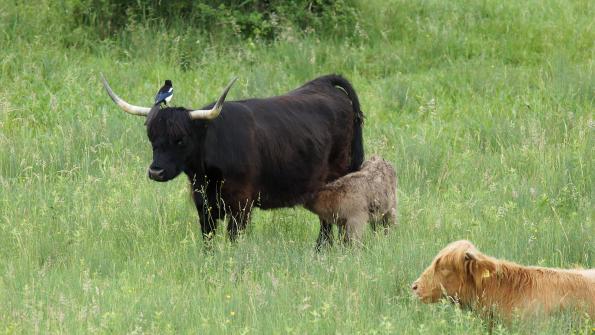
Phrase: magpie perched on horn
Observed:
(195, 114)
(166, 92)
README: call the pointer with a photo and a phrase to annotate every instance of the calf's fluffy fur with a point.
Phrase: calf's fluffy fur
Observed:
(463, 274)
(356, 198)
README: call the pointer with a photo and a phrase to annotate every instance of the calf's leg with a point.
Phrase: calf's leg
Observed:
(389, 219)
(354, 228)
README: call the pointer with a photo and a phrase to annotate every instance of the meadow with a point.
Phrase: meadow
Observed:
(485, 108)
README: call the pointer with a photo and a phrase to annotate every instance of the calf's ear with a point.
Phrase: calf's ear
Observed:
(479, 267)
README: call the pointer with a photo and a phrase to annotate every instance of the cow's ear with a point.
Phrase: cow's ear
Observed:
(470, 256)
(479, 267)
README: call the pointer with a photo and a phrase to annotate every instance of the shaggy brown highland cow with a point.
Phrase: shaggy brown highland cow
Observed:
(466, 276)
(356, 198)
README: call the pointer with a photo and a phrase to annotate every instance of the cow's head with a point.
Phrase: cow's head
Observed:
(177, 134)
(456, 272)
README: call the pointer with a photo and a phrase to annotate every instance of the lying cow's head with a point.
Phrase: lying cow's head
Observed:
(172, 132)
(457, 273)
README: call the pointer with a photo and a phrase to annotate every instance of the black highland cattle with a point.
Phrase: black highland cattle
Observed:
(267, 153)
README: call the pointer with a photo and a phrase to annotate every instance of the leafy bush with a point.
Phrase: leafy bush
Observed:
(264, 19)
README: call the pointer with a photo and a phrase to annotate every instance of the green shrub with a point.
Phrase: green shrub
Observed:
(264, 19)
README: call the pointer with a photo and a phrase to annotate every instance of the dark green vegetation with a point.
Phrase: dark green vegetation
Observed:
(245, 18)
(484, 107)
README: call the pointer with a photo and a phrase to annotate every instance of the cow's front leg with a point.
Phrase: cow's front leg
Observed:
(238, 220)
(325, 237)
(239, 212)
(208, 224)
(208, 213)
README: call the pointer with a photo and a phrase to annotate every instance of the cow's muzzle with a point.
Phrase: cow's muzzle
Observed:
(157, 174)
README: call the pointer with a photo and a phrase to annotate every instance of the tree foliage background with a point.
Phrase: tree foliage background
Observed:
(245, 18)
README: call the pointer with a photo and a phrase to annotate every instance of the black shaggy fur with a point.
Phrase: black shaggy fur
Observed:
(269, 153)
(357, 143)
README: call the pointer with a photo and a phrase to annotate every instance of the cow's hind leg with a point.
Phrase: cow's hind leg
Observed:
(325, 236)
(341, 233)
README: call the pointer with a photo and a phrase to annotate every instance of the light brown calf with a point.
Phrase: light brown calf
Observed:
(463, 274)
(356, 198)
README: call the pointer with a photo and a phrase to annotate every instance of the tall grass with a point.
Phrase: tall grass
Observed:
(485, 109)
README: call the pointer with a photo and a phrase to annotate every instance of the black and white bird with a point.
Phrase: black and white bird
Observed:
(166, 92)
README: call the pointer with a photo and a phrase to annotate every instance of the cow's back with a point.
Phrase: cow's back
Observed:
(283, 149)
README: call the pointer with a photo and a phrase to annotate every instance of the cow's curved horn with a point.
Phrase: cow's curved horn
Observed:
(132, 109)
(209, 114)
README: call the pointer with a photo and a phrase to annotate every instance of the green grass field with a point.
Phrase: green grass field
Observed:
(484, 107)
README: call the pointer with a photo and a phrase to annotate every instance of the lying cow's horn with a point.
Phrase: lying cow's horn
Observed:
(209, 114)
(132, 109)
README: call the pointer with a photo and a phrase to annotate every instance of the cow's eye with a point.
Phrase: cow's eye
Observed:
(180, 143)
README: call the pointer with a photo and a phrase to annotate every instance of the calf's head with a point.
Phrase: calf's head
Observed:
(177, 134)
(457, 272)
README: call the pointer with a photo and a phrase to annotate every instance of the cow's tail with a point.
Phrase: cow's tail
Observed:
(357, 142)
